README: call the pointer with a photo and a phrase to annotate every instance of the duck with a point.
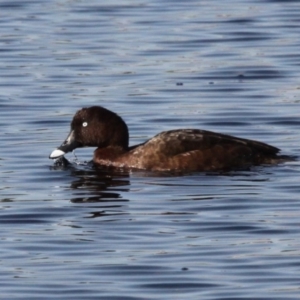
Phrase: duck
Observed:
(184, 150)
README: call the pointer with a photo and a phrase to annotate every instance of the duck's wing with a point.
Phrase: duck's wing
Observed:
(177, 142)
(199, 150)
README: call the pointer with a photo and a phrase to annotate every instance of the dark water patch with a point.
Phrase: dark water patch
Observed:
(244, 76)
(287, 121)
(106, 213)
(22, 219)
(17, 4)
(119, 10)
(104, 197)
(242, 21)
(179, 286)
(110, 269)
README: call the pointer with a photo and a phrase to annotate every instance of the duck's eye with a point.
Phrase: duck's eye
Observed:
(84, 124)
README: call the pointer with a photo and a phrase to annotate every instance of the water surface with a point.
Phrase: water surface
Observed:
(86, 233)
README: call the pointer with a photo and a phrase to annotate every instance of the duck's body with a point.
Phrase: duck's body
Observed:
(175, 150)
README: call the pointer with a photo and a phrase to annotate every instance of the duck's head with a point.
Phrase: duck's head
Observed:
(94, 127)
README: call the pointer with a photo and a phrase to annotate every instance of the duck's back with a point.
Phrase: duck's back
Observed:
(192, 150)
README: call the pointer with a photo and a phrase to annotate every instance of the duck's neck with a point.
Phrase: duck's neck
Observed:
(109, 153)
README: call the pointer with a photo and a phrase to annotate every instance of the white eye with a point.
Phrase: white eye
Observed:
(84, 124)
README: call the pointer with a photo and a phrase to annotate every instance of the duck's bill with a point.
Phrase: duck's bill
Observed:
(67, 146)
(56, 154)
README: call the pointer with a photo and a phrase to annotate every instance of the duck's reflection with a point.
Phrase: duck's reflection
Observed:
(92, 184)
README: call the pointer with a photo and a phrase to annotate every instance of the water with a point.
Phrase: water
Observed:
(82, 233)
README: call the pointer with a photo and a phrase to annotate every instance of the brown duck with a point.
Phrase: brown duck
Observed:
(174, 150)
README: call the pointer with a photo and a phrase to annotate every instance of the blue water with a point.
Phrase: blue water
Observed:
(82, 233)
